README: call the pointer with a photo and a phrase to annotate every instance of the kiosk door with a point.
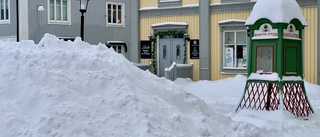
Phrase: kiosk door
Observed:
(291, 60)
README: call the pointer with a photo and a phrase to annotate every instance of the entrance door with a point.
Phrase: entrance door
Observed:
(291, 60)
(170, 50)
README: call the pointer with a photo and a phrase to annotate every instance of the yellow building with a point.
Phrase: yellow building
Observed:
(219, 28)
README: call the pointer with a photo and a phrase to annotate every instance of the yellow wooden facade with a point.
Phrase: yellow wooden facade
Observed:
(310, 36)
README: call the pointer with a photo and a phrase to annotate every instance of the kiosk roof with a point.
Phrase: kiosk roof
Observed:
(277, 11)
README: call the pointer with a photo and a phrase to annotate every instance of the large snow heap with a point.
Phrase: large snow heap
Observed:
(59, 88)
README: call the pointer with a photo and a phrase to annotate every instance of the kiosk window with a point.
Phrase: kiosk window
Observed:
(265, 59)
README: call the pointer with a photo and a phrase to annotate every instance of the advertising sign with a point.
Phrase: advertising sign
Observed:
(194, 49)
(145, 50)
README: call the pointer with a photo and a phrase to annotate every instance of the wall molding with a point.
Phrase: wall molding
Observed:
(169, 11)
(214, 8)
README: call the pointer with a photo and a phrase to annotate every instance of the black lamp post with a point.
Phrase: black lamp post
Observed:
(83, 9)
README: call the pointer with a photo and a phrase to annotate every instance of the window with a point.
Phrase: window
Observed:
(59, 12)
(115, 14)
(233, 53)
(4, 11)
(265, 59)
(119, 49)
(235, 50)
(118, 46)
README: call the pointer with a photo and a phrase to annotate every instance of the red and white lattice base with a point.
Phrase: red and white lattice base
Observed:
(266, 95)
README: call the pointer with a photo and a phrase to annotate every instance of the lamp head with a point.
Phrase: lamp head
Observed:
(186, 36)
(150, 37)
(83, 5)
(40, 7)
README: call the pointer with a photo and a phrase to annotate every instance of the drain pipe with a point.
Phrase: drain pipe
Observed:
(318, 8)
(17, 10)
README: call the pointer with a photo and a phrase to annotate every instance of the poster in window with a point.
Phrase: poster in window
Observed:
(244, 55)
(194, 49)
(145, 49)
(229, 57)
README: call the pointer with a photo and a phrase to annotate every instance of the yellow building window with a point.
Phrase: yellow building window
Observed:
(235, 50)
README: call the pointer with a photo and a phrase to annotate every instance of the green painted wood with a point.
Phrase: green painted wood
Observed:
(291, 60)
(282, 63)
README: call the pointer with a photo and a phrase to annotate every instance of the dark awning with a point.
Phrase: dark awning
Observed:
(111, 43)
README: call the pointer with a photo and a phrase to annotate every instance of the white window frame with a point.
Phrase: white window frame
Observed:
(235, 44)
(60, 22)
(5, 21)
(8, 38)
(122, 24)
(121, 50)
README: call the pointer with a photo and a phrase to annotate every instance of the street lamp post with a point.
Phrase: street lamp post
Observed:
(83, 9)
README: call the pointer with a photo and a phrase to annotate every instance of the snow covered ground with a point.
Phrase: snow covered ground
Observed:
(74, 89)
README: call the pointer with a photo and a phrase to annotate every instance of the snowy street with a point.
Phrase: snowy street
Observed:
(74, 89)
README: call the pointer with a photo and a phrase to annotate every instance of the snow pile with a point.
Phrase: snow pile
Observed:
(277, 11)
(224, 96)
(74, 89)
(219, 91)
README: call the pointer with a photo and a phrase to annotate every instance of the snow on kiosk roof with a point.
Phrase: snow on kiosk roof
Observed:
(277, 11)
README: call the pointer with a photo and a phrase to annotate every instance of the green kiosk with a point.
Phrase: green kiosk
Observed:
(275, 59)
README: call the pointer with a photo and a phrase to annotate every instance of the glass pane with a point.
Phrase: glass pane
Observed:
(244, 54)
(2, 14)
(7, 10)
(239, 55)
(229, 56)
(241, 38)
(164, 51)
(115, 48)
(2, 4)
(65, 10)
(178, 51)
(265, 59)
(119, 14)
(109, 13)
(58, 9)
(229, 38)
(114, 16)
(119, 49)
(51, 9)
(2, 9)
